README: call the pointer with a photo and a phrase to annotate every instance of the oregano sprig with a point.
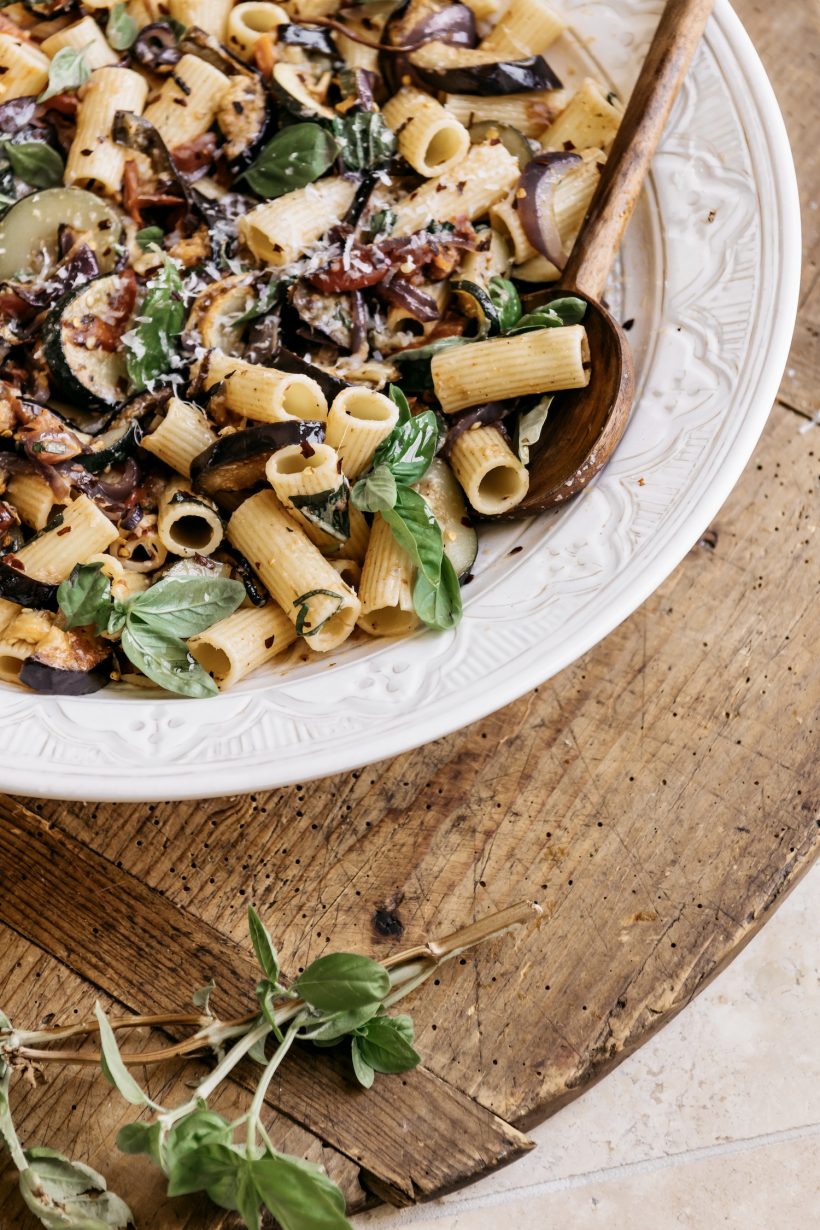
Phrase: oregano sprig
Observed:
(339, 998)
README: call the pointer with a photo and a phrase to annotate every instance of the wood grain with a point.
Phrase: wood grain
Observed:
(658, 798)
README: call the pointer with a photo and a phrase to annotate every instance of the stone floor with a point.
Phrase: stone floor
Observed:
(714, 1123)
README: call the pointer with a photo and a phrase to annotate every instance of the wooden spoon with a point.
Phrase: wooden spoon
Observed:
(585, 425)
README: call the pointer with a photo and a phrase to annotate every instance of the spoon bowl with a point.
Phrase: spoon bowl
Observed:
(584, 426)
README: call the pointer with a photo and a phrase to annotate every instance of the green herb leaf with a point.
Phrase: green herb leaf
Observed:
(150, 236)
(68, 71)
(266, 954)
(342, 980)
(7, 1130)
(479, 306)
(436, 593)
(35, 163)
(264, 304)
(507, 302)
(185, 606)
(384, 1045)
(362, 1070)
(67, 1195)
(299, 1195)
(114, 1068)
(304, 626)
(201, 998)
(553, 315)
(202, 1127)
(409, 448)
(161, 318)
(341, 1023)
(298, 155)
(397, 397)
(381, 224)
(376, 491)
(328, 510)
(85, 599)
(364, 140)
(210, 1166)
(415, 362)
(146, 1138)
(529, 427)
(121, 30)
(165, 660)
(247, 1197)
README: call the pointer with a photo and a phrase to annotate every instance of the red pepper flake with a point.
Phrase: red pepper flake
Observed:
(14, 562)
(269, 641)
(65, 530)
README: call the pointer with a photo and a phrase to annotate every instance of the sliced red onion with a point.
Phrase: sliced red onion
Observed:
(536, 205)
(414, 301)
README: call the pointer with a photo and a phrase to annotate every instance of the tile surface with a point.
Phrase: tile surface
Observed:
(714, 1123)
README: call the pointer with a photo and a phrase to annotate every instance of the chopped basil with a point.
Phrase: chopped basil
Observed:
(149, 237)
(121, 30)
(160, 320)
(67, 71)
(297, 156)
(328, 510)
(364, 140)
(35, 163)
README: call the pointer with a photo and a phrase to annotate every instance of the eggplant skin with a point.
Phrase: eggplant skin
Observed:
(56, 681)
(15, 586)
(503, 77)
(237, 461)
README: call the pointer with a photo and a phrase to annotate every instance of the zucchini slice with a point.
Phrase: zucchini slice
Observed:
(514, 142)
(29, 231)
(90, 376)
(476, 302)
(442, 492)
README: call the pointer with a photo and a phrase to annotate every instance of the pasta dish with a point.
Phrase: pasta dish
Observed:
(276, 326)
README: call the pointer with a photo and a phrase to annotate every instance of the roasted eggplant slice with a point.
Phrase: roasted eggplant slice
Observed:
(287, 361)
(111, 447)
(295, 87)
(29, 231)
(246, 120)
(445, 497)
(215, 311)
(237, 461)
(82, 341)
(67, 663)
(459, 70)
(15, 586)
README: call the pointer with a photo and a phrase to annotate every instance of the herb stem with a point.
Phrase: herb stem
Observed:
(352, 34)
(264, 1083)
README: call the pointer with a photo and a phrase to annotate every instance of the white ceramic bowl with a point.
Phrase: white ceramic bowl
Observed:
(709, 274)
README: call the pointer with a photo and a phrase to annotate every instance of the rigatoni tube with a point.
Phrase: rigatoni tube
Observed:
(493, 478)
(188, 101)
(527, 28)
(85, 36)
(263, 393)
(431, 139)
(246, 640)
(294, 476)
(590, 118)
(95, 160)
(247, 21)
(505, 367)
(386, 588)
(484, 176)
(188, 524)
(210, 15)
(181, 435)
(357, 422)
(311, 593)
(83, 531)
(281, 231)
(23, 69)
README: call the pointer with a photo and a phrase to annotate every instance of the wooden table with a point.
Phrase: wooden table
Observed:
(658, 799)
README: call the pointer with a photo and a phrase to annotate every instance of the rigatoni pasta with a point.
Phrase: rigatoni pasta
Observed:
(272, 341)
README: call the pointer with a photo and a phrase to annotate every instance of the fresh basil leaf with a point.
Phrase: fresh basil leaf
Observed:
(298, 1194)
(418, 354)
(329, 510)
(436, 593)
(267, 995)
(210, 1166)
(384, 1046)
(68, 1195)
(303, 625)
(35, 163)
(68, 71)
(341, 1023)
(199, 1128)
(542, 319)
(553, 315)
(397, 397)
(185, 606)
(160, 321)
(342, 980)
(149, 236)
(529, 427)
(85, 598)
(410, 448)
(121, 30)
(571, 309)
(146, 1138)
(165, 660)
(507, 302)
(364, 140)
(376, 491)
(362, 1070)
(247, 1198)
(201, 998)
(298, 155)
(264, 304)
(113, 1067)
(381, 224)
(266, 954)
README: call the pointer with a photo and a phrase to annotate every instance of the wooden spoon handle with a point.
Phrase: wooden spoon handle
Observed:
(676, 39)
